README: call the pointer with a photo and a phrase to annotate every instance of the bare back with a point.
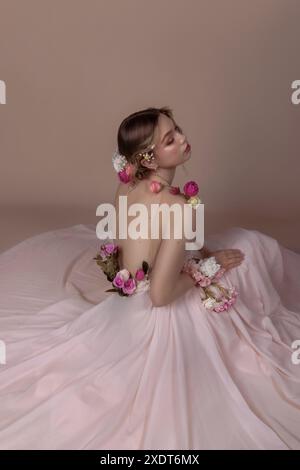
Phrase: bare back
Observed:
(134, 252)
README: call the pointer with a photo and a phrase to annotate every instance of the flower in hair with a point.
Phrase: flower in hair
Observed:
(126, 174)
(121, 165)
(119, 161)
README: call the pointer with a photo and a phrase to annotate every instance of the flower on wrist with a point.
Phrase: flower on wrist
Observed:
(205, 274)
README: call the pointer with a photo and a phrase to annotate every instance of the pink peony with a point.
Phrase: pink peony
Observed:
(118, 281)
(155, 186)
(129, 286)
(139, 275)
(190, 188)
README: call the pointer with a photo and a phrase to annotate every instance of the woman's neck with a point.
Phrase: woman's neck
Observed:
(164, 175)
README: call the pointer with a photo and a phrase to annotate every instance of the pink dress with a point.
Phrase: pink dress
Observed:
(85, 369)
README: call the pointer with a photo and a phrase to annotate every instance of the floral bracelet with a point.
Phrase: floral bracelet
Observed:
(203, 271)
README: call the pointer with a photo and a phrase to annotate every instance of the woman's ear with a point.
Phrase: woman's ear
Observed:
(150, 165)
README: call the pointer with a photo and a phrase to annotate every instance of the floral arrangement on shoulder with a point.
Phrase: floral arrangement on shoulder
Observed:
(206, 272)
(124, 283)
(125, 171)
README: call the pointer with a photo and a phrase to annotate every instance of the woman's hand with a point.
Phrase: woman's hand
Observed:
(228, 259)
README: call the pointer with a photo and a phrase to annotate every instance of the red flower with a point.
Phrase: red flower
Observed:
(191, 188)
(174, 190)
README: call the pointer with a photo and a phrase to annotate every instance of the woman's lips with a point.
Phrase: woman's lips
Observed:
(188, 148)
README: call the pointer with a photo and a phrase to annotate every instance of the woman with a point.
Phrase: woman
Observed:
(151, 365)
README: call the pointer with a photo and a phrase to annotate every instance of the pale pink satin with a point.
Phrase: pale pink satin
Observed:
(87, 369)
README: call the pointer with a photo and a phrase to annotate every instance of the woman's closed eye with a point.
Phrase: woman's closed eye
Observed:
(177, 129)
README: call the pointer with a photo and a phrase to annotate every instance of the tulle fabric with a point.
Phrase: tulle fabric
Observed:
(86, 369)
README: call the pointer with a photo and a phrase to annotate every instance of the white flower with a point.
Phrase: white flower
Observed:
(142, 286)
(209, 266)
(119, 161)
(124, 274)
(209, 303)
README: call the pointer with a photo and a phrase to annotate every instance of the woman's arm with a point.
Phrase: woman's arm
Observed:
(167, 280)
(205, 252)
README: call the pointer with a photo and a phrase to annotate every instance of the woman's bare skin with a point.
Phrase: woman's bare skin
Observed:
(164, 256)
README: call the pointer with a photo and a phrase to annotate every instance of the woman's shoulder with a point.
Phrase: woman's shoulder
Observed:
(163, 196)
(172, 198)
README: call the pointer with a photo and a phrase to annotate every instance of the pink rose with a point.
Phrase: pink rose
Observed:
(124, 274)
(110, 248)
(219, 309)
(126, 174)
(118, 281)
(129, 286)
(130, 169)
(231, 301)
(174, 190)
(139, 275)
(190, 188)
(196, 274)
(205, 282)
(234, 293)
(155, 186)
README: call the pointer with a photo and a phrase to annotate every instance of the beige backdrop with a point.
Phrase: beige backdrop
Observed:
(74, 69)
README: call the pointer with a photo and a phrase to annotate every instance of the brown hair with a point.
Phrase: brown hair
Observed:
(135, 135)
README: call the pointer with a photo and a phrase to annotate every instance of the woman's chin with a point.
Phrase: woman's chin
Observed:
(187, 156)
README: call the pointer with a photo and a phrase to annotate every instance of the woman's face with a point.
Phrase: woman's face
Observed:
(170, 144)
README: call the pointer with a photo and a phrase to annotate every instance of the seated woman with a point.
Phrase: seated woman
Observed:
(190, 349)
